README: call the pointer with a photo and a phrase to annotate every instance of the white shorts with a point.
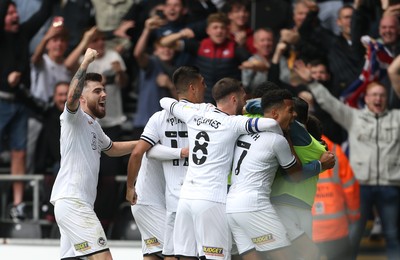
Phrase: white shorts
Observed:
(150, 221)
(168, 249)
(80, 229)
(297, 221)
(201, 229)
(261, 230)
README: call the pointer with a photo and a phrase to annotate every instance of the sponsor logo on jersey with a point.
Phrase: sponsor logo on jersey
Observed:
(207, 121)
(102, 241)
(213, 251)
(82, 246)
(153, 241)
(263, 239)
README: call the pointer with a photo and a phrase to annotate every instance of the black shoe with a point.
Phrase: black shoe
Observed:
(17, 212)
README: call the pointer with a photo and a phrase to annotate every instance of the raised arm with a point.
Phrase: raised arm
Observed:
(176, 39)
(339, 111)
(394, 75)
(71, 62)
(78, 81)
(37, 56)
(139, 52)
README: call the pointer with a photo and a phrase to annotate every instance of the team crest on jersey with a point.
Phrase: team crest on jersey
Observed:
(101, 241)
(82, 246)
(153, 241)
(263, 239)
(94, 141)
(213, 251)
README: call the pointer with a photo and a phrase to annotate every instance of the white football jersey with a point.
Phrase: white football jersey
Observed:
(150, 183)
(81, 143)
(212, 137)
(163, 127)
(256, 160)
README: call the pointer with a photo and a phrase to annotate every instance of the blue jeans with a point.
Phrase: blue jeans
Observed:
(14, 123)
(386, 200)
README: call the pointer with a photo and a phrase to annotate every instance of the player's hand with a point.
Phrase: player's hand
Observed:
(185, 152)
(131, 195)
(327, 160)
(90, 56)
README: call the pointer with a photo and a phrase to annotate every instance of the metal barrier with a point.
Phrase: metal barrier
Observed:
(34, 179)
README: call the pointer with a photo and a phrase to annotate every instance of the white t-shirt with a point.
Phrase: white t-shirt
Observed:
(212, 137)
(81, 143)
(163, 127)
(150, 183)
(256, 160)
(45, 76)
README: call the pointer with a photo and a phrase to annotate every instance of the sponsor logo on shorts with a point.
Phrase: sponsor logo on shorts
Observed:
(82, 246)
(213, 251)
(263, 239)
(153, 241)
(102, 241)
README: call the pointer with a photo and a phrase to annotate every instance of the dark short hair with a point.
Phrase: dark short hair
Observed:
(224, 87)
(314, 127)
(301, 108)
(275, 98)
(228, 6)
(93, 77)
(263, 88)
(184, 76)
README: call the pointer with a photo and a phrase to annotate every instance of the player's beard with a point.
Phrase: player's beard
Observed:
(97, 110)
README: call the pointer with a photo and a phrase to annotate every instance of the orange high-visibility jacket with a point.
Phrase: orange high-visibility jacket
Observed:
(337, 201)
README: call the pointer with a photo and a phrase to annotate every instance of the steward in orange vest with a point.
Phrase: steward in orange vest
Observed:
(336, 204)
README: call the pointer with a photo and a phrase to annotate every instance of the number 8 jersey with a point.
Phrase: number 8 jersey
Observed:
(212, 137)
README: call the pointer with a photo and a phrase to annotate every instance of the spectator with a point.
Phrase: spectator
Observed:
(79, 15)
(155, 75)
(238, 12)
(255, 69)
(366, 17)
(217, 55)
(109, 15)
(337, 202)
(344, 64)
(320, 72)
(374, 147)
(47, 68)
(14, 71)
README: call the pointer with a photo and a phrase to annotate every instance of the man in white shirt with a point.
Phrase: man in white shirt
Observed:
(201, 227)
(82, 141)
(165, 128)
